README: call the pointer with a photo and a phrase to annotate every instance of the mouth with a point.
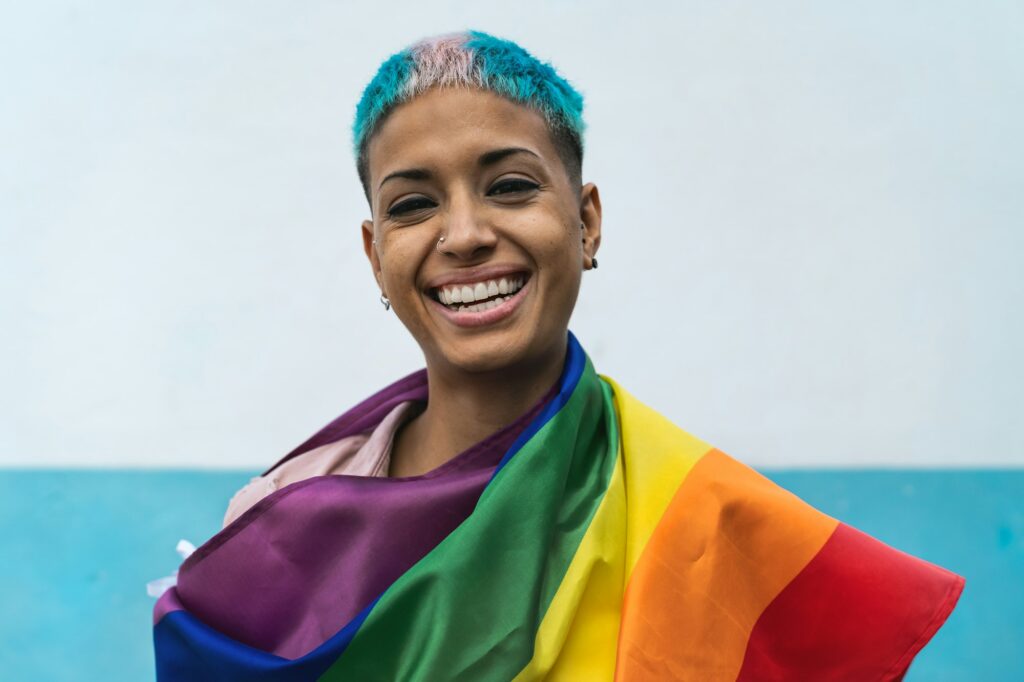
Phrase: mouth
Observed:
(479, 296)
(483, 302)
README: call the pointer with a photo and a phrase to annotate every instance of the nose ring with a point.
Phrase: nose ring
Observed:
(437, 246)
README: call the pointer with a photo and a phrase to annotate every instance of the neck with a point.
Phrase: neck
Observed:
(466, 407)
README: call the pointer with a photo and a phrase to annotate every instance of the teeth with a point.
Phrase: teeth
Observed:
(467, 294)
(480, 307)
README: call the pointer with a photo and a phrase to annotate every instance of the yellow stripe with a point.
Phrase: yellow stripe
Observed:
(658, 456)
(576, 639)
(578, 635)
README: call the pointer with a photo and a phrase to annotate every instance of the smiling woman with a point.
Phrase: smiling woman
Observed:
(507, 512)
(474, 198)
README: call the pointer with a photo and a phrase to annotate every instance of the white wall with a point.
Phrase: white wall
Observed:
(813, 223)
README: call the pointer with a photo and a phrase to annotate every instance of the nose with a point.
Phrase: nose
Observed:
(468, 234)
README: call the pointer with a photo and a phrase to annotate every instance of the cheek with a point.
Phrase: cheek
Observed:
(398, 265)
(568, 246)
(399, 269)
(562, 263)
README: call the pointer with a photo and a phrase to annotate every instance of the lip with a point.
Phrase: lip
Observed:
(470, 319)
(477, 274)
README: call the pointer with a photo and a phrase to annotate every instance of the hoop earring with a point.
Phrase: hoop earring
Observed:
(386, 301)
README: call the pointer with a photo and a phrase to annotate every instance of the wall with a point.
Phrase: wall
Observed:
(812, 226)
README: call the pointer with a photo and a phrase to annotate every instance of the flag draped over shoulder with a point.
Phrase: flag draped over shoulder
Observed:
(605, 544)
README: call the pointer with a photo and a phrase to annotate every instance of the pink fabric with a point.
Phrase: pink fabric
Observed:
(364, 454)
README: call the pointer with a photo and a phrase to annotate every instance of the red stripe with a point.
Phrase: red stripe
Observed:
(859, 610)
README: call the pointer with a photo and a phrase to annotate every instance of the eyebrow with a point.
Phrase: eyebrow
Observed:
(486, 159)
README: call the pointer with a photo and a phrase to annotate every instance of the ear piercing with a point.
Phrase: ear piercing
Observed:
(584, 240)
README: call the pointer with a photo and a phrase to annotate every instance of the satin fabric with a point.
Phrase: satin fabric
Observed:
(605, 543)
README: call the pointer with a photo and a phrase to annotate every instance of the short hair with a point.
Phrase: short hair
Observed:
(472, 59)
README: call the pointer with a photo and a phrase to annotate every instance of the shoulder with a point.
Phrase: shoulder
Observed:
(248, 495)
(361, 454)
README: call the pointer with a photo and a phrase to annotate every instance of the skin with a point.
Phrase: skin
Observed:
(520, 211)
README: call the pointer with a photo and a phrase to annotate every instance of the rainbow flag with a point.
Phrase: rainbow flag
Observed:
(606, 543)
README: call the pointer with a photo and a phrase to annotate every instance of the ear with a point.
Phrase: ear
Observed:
(590, 216)
(371, 253)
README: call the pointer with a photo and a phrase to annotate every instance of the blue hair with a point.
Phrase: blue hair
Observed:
(472, 59)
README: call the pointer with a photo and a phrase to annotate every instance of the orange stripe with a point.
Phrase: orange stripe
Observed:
(728, 543)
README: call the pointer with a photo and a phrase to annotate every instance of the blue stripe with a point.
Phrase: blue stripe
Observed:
(188, 650)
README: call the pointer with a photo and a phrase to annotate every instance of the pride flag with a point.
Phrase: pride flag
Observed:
(606, 543)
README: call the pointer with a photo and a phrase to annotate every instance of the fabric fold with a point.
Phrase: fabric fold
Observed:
(599, 542)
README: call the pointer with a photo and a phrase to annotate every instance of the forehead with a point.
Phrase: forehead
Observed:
(453, 125)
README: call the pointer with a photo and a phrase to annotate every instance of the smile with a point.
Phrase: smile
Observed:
(479, 296)
(474, 304)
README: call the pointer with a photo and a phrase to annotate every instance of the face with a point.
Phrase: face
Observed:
(481, 171)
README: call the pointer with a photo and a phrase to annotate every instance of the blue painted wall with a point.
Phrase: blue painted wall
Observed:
(77, 547)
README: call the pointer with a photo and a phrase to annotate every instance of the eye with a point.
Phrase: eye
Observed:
(409, 206)
(513, 185)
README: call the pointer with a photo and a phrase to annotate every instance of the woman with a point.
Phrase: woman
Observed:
(507, 513)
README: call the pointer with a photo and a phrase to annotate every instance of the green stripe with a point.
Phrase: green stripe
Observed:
(470, 609)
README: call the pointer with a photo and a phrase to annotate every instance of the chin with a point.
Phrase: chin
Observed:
(491, 353)
(482, 355)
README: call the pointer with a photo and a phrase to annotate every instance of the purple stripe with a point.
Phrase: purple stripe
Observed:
(365, 415)
(274, 589)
